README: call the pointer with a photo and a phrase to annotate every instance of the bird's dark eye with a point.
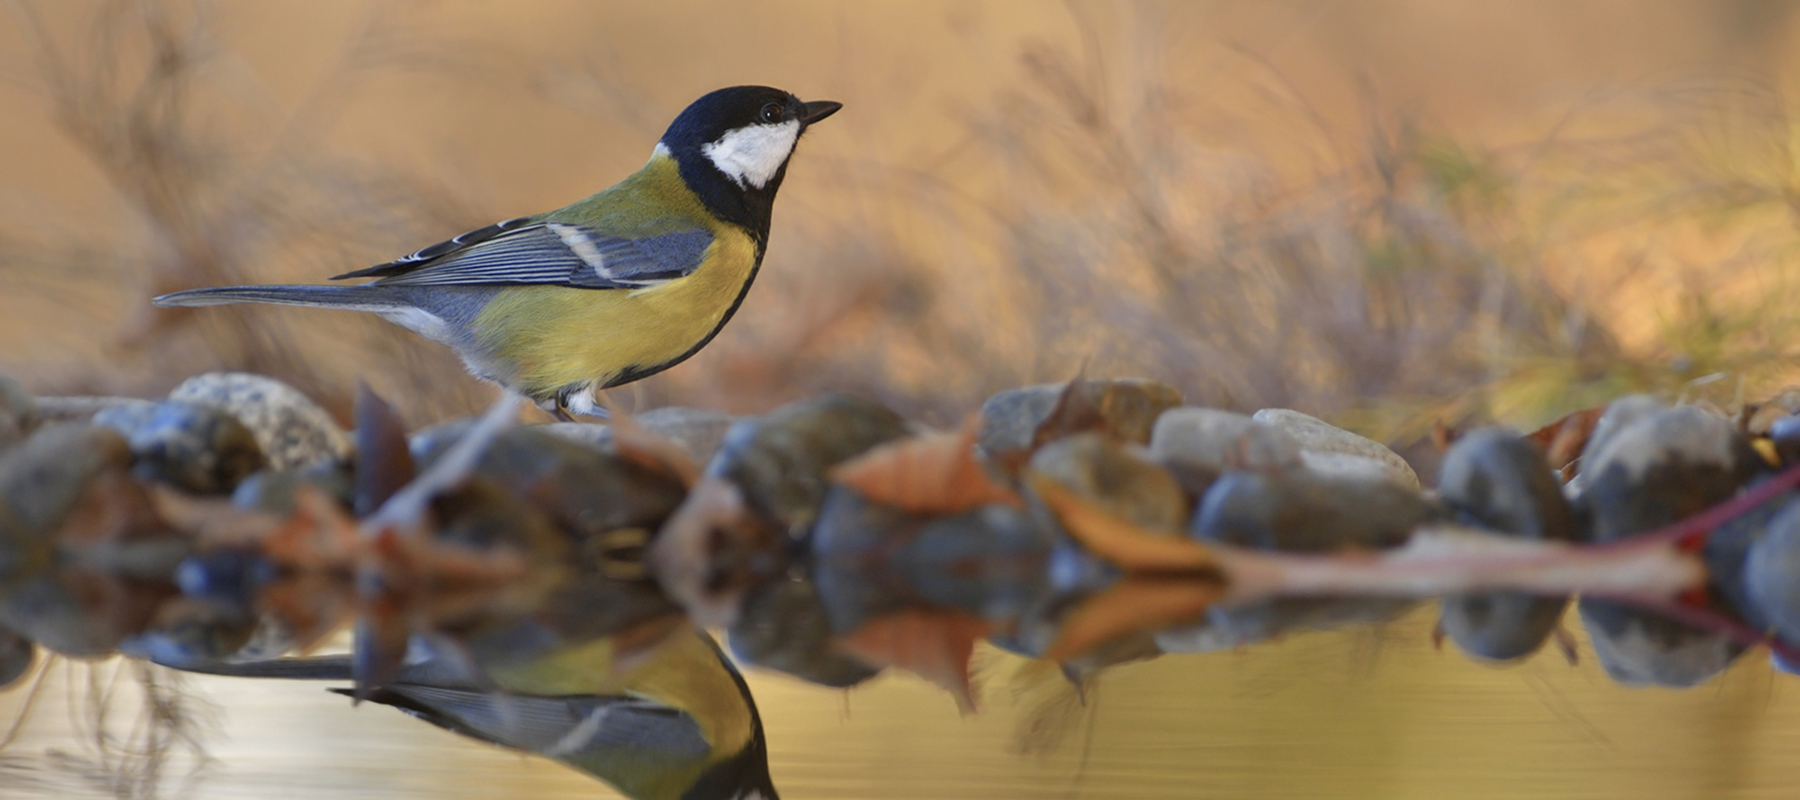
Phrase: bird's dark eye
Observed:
(771, 113)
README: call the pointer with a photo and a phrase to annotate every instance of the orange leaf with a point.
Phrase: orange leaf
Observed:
(1564, 439)
(1122, 543)
(935, 645)
(932, 474)
(1131, 606)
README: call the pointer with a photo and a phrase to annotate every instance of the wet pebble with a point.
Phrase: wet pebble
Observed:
(1318, 437)
(272, 490)
(194, 447)
(187, 632)
(870, 560)
(1117, 478)
(291, 429)
(1652, 468)
(697, 431)
(1772, 574)
(43, 479)
(1130, 406)
(1619, 415)
(1498, 481)
(1199, 444)
(1303, 512)
(780, 461)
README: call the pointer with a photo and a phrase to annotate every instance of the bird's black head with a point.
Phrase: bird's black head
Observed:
(733, 146)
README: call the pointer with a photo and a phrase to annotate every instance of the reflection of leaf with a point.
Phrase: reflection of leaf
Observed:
(1125, 545)
(319, 535)
(932, 474)
(1134, 605)
(1564, 439)
(311, 606)
(935, 645)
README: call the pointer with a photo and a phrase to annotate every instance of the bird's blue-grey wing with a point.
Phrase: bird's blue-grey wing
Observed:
(557, 253)
(563, 727)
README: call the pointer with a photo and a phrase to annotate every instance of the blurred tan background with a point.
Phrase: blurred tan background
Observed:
(1386, 212)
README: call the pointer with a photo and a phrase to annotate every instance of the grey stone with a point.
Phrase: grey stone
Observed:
(1010, 419)
(1219, 440)
(291, 429)
(1316, 435)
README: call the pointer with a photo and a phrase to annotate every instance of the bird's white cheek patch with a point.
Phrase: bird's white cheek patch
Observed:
(752, 154)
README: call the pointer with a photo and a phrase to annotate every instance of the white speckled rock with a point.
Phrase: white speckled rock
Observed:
(1220, 440)
(292, 430)
(1318, 436)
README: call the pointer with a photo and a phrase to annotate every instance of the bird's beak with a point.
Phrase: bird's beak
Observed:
(817, 110)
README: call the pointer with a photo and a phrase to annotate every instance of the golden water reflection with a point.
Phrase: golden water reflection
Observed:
(1369, 714)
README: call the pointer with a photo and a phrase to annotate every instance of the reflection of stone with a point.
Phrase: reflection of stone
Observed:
(782, 626)
(1502, 483)
(1301, 511)
(1772, 574)
(1645, 470)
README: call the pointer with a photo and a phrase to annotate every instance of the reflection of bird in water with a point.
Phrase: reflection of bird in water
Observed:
(680, 726)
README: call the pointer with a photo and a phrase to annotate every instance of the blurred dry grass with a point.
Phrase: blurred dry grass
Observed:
(1152, 189)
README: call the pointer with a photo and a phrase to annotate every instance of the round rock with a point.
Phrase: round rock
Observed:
(1315, 435)
(291, 429)
(1498, 481)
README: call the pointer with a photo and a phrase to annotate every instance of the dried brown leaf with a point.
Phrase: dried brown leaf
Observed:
(931, 474)
(1564, 439)
(1122, 543)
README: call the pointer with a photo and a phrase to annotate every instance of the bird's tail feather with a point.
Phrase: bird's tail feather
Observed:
(319, 668)
(355, 298)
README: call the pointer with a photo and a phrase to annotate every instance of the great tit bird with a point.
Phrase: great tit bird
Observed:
(681, 726)
(605, 291)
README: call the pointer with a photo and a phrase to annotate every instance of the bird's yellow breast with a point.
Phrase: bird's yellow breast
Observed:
(554, 336)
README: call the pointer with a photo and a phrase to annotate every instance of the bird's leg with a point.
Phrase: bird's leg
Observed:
(561, 409)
